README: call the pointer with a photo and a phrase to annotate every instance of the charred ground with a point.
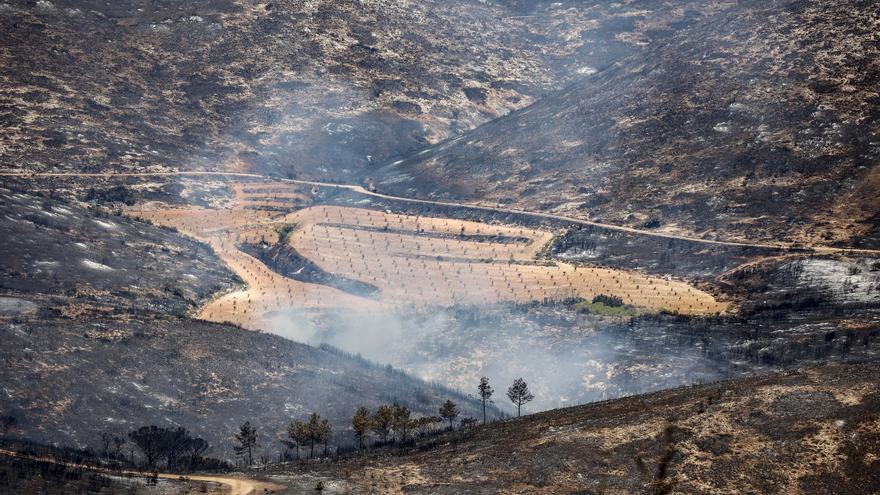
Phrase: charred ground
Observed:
(754, 121)
(813, 431)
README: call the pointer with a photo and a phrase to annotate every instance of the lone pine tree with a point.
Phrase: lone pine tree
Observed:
(486, 392)
(519, 394)
(247, 440)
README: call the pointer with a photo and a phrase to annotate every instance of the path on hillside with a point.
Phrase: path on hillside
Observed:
(362, 190)
(237, 486)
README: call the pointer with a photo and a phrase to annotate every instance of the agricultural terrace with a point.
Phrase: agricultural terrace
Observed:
(413, 261)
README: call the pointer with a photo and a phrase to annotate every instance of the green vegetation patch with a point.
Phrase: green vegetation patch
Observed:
(604, 305)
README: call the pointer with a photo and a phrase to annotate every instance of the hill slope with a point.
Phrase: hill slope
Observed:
(96, 338)
(759, 120)
(810, 432)
(319, 89)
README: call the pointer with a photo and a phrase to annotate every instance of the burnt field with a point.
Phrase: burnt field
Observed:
(812, 431)
(320, 261)
(69, 380)
(80, 259)
(96, 338)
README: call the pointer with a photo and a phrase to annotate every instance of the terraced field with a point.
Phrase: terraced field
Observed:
(411, 261)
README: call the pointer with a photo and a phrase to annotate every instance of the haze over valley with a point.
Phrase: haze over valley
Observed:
(439, 247)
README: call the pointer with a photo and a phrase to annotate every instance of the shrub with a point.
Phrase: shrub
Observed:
(610, 301)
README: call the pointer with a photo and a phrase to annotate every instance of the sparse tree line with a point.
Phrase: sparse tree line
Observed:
(178, 450)
(391, 424)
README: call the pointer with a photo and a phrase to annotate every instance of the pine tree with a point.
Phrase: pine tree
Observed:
(449, 411)
(383, 420)
(361, 423)
(316, 433)
(519, 394)
(486, 392)
(247, 440)
(402, 420)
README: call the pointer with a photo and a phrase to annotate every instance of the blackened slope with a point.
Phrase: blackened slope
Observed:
(321, 89)
(68, 380)
(812, 432)
(759, 121)
(286, 261)
(79, 258)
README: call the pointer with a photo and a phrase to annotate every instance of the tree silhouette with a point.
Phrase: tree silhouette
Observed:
(319, 431)
(298, 433)
(402, 421)
(247, 440)
(486, 392)
(149, 440)
(519, 394)
(195, 449)
(383, 421)
(449, 411)
(118, 443)
(361, 424)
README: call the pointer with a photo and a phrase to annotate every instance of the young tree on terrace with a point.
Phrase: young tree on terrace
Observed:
(486, 392)
(383, 420)
(361, 423)
(519, 394)
(247, 440)
(449, 411)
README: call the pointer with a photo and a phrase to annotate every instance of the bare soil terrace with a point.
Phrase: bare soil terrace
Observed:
(414, 261)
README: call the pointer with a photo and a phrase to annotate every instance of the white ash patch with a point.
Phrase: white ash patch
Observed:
(81, 245)
(586, 70)
(578, 254)
(106, 225)
(723, 127)
(846, 280)
(94, 265)
(16, 306)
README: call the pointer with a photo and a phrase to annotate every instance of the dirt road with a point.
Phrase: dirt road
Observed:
(237, 486)
(550, 216)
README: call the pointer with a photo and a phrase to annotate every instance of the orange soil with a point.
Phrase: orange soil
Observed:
(415, 261)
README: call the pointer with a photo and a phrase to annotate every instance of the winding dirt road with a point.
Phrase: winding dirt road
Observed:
(237, 486)
(367, 192)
